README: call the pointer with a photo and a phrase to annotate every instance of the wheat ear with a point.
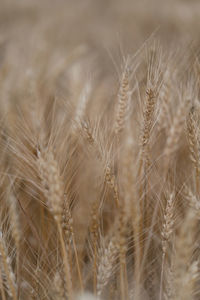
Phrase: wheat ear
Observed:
(59, 288)
(10, 276)
(147, 124)
(54, 192)
(123, 100)
(105, 265)
(194, 146)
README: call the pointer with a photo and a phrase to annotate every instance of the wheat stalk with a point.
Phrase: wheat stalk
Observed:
(166, 235)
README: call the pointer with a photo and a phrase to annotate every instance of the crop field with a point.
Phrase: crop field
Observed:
(99, 150)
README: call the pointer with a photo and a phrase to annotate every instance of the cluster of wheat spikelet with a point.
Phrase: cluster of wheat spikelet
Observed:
(100, 165)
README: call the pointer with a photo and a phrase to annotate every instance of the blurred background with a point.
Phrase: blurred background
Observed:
(46, 38)
(95, 25)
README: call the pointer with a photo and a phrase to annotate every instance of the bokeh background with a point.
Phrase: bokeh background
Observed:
(95, 26)
(60, 40)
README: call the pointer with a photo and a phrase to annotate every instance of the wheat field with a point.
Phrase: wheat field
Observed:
(99, 150)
